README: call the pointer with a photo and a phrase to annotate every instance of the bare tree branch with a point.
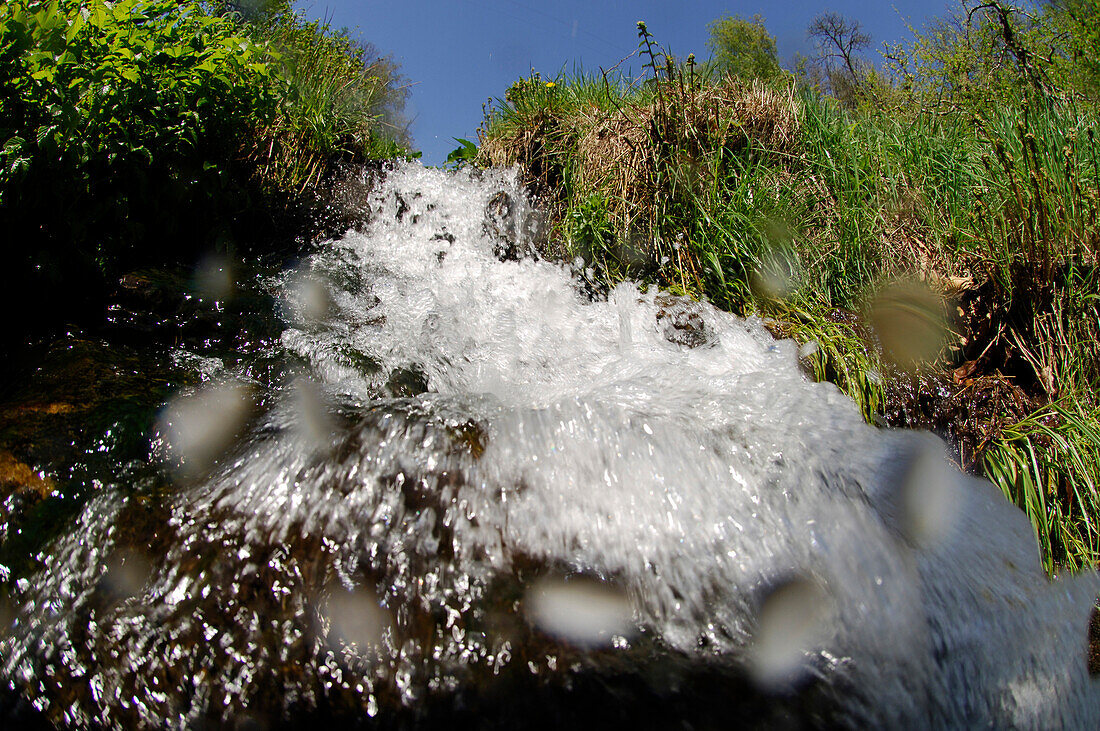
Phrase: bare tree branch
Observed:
(846, 36)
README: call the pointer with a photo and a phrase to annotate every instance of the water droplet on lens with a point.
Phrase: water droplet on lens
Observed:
(911, 323)
(581, 610)
(7, 613)
(777, 274)
(356, 618)
(250, 722)
(792, 621)
(314, 424)
(214, 279)
(199, 427)
(308, 299)
(929, 497)
(128, 572)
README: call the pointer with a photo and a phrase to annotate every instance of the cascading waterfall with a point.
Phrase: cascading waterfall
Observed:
(486, 495)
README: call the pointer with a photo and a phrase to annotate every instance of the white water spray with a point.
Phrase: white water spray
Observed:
(624, 474)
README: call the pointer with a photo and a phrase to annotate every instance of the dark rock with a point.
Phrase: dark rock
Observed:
(500, 226)
(407, 381)
(681, 322)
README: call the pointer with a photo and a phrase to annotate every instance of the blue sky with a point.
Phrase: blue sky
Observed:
(458, 53)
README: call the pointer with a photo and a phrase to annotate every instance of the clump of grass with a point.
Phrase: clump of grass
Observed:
(629, 168)
(338, 101)
(1048, 465)
(835, 347)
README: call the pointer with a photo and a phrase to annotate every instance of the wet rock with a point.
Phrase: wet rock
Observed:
(516, 229)
(967, 412)
(500, 226)
(681, 321)
(470, 436)
(402, 207)
(374, 612)
(407, 381)
(21, 489)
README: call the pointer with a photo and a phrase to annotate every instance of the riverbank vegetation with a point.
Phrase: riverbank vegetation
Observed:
(925, 227)
(140, 133)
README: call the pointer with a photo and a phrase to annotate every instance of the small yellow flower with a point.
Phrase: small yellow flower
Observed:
(550, 84)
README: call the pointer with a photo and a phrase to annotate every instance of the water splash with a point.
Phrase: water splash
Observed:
(490, 493)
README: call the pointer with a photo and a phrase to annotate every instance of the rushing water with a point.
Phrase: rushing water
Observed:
(488, 496)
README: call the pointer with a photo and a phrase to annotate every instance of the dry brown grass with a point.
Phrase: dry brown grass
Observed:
(627, 152)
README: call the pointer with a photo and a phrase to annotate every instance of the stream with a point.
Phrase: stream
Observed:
(469, 488)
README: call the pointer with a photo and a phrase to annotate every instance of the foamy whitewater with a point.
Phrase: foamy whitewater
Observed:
(480, 470)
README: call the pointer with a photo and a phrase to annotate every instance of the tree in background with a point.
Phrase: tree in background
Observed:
(839, 42)
(1076, 34)
(987, 51)
(743, 48)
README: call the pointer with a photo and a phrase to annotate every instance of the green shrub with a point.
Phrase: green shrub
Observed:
(120, 124)
(147, 132)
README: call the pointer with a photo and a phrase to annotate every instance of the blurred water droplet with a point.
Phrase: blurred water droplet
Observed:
(356, 618)
(200, 427)
(314, 424)
(214, 279)
(7, 613)
(792, 621)
(929, 497)
(808, 349)
(778, 271)
(250, 722)
(911, 323)
(580, 610)
(128, 571)
(308, 299)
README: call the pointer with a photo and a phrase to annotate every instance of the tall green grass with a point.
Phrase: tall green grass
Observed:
(337, 101)
(1049, 465)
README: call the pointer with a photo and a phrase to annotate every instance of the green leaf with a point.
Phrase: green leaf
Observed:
(466, 152)
(14, 145)
(76, 23)
(97, 15)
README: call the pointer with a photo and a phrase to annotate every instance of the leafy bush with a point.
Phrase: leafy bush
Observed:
(145, 132)
(120, 123)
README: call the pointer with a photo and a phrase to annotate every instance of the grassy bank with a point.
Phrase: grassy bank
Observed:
(939, 265)
(137, 133)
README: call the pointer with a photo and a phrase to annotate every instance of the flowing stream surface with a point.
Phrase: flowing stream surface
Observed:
(485, 494)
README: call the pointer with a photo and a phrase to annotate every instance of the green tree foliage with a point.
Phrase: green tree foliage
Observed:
(989, 52)
(1072, 43)
(144, 132)
(119, 123)
(743, 48)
